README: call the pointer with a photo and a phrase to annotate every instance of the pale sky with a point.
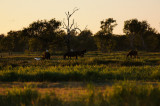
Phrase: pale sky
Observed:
(17, 14)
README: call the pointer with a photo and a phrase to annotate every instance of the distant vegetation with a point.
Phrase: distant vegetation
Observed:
(43, 34)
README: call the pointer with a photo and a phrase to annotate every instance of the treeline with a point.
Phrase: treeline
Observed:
(43, 34)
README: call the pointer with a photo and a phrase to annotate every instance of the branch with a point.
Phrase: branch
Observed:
(74, 10)
(64, 23)
(64, 27)
(67, 15)
(86, 27)
(76, 29)
(72, 24)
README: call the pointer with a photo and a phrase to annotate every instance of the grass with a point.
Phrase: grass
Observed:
(91, 58)
(80, 73)
(94, 67)
(124, 94)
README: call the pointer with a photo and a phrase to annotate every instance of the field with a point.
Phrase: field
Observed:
(96, 79)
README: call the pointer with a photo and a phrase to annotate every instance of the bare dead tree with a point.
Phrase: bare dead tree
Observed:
(159, 26)
(70, 27)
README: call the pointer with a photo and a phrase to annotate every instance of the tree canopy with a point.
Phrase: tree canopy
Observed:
(43, 34)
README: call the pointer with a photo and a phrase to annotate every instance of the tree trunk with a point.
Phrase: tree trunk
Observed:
(143, 43)
(68, 42)
(68, 46)
(131, 38)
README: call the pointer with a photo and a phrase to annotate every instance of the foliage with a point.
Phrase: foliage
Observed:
(137, 32)
(42, 34)
(108, 25)
(86, 41)
(104, 37)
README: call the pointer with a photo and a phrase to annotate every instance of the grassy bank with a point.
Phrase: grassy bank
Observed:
(125, 94)
(80, 73)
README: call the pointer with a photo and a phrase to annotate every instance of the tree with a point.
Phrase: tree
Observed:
(122, 42)
(70, 28)
(152, 40)
(45, 31)
(34, 44)
(134, 28)
(104, 37)
(108, 25)
(1, 38)
(130, 27)
(58, 43)
(6, 44)
(86, 40)
(101, 41)
(15, 37)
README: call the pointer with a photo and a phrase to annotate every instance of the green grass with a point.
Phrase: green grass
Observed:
(94, 67)
(125, 94)
(90, 58)
(80, 73)
(132, 94)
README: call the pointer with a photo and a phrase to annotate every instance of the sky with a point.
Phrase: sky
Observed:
(18, 14)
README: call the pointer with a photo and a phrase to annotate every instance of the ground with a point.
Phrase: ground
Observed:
(118, 68)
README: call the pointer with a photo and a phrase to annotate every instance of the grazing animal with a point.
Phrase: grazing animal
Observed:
(81, 53)
(46, 55)
(132, 53)
(70, 54)
(74, 54)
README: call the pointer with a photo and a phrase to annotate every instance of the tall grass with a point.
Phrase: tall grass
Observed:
(80, 73)
(18, 97)
(126, 94)
(132, 94)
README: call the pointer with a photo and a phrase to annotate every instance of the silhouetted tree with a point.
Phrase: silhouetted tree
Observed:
(130, 28)
(70, 28)
(103, 37)
(122, 42)
(86, 40)
(1, 39)
(137, 29)
(45, 31)
(108, 25)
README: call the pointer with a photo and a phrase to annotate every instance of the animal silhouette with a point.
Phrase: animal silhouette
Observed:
(46, 55)
(81, 53)
(74, 54)
(132, 53)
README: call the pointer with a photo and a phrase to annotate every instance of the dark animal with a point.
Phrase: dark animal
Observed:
(74, 54)
(81, 53)
(133, 53)
(70, 54)
(46, 55)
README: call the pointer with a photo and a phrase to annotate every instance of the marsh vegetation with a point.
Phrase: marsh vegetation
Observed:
(96, 79)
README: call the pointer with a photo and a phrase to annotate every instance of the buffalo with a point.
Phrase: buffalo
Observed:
(132, 53)
(74, 54)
